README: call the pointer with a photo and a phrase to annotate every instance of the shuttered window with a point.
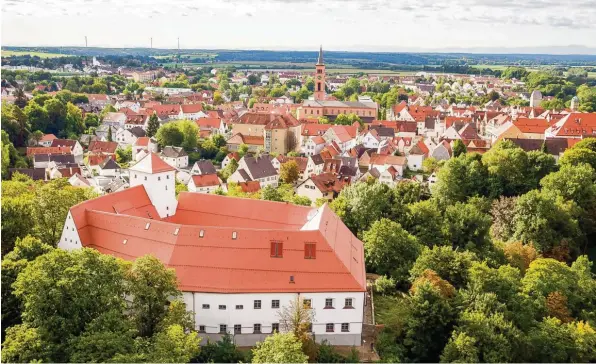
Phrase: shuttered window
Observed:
(277, 249)
(310, 250)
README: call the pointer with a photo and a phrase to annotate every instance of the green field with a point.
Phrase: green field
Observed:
(32, 54)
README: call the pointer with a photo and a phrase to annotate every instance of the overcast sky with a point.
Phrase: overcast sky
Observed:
(368, 25)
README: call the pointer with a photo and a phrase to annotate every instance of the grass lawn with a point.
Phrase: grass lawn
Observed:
(387, 309)
(495, 67)
(32, 54)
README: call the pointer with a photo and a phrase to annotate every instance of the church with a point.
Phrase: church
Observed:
(322, 104)
(238, 261)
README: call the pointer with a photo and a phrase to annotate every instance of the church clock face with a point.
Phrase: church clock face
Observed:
(319, 77)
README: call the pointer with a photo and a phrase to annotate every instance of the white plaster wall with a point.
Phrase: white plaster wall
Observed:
(69, 239)
(161, 190)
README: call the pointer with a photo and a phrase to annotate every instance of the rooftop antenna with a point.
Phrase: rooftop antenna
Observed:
(151, 42)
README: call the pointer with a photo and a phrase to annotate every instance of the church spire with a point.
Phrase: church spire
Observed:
(320, 60)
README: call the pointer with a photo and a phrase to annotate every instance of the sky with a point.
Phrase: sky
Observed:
(353, 25)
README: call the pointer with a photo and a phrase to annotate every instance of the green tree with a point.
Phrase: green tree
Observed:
(461, 348)
(110, 138)
(578, 155)
(389, 249)
(74, 124)
(242, 150)
(424, 221)
(459, 148)
(507, 167)
(279, 348)
(152, 125)
(63, 291)
(229, 169)
(151, 285)
(428, 324)
(91, 120)
(174, 345)
(503, 212)
(23, 344)
(56, 110)
(17, 219)
(25, 251)
(544, 222)
(37, 116)
(461, 178)
(170, 135)
(271, 193)
(449, 264)
(552, 341)
(465, 226)
(222, 351)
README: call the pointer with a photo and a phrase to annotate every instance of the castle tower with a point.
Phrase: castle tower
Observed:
(574, 103)
(158, 178)
(320, 77)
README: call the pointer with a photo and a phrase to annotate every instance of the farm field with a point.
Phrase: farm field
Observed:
(6, 53)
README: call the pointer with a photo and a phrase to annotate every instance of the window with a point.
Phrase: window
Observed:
(310, 250)
(167, 177)
(234, 235)
(328, 302)
(277, 249)
(166, 188)
(348, 303)
(201, 328)
(145, 178)
(345, 327)
(274, 327)
(205, 307)
(159, 178)
(275, 304)
(223, 329)
(257, 328)
(329, 328)
(237, 329)
(309, 327)
(257, 305)
(176, 231)
(307, 303)
(240, 307)
(222, 307)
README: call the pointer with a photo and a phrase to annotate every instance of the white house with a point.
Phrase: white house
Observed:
(204, 183)
(75, 147)
(109, 168)
(126, 137)
(175, 156)
(203, 167)
(143, 143)
(256, 169)
(313, 145)
(240, 262)
(191, 112)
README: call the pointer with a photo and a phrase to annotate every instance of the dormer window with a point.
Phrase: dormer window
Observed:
(201, 233)
(176, 231)
(234, 235)
(125, 241)
(147, 226)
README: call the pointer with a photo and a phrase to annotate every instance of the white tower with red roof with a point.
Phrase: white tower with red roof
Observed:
(158, 178)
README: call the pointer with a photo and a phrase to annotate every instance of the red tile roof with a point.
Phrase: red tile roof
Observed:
(208, 123)
(191, 108)
(533, 126)
(575, 125)
(142, 142)
(206, 180)
(116, 224)
(151, 163)
(47, 137)
(314, 129)
(48, 150)
(103, 147)
(250, 186)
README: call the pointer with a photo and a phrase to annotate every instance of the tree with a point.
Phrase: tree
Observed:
(519, 255)
(545, 222)
(170, 135)
(25, 251)
(229, 169)
(37, 116)
(492, 339)
(110, 139)
(151, 285)
(152, 125)
(465, 226)
(503, 212)
(174, 345)
(297, 318)
(279, 348)
(56, 110)
(74, 124)
(576, 156)
(424, 221)
(461, 178)
(36, 137)
(289, 171)
(459, 148)
(347, 119)
(20, 99)
(449, 264)
(222, 351)
(17, 219)
(23, 344)
(507, 167)
(271, 193)
(242, 150)
(428, 324)
(461, 348)
(554, 341)
(63, 291)
(389, 249)
(91, 120)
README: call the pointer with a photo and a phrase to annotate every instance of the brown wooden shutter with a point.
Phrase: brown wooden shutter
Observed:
(272, 248)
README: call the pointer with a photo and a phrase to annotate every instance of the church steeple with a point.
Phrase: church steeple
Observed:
(319, 93)
(320, 60)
